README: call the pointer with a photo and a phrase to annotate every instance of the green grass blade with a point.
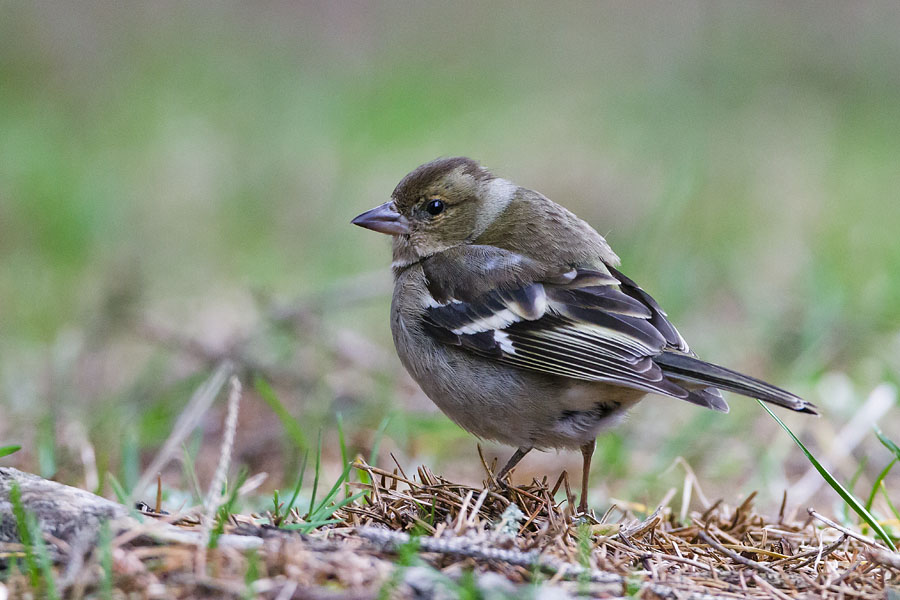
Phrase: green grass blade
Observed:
(291, 426)
(251, 575)
(224, 512)
(7, 450)
(106, 562)
(130, 460)
(309, 526)
(323, 515)
(190, 473)
(373, 455)
(44, 561)
(332, 492)
(118, 490)
(122, 496)
(312, 498)
(888, 443)
(299, 485)
(37, 557)
(858, 508)
(889, 503)
(364, 477)
(878, 481)
(46, 446)
(341, 440)
(343, 444)
(25, 535)
(376, 442)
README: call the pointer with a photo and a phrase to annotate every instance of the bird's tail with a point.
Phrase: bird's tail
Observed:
(693, 370)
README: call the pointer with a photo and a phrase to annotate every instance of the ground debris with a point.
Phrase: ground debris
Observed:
(427, 537)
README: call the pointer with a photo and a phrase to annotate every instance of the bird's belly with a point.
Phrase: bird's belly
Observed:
(595, 407)
(509, 405)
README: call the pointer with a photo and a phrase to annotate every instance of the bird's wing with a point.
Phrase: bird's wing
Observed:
(658, 317)
(583, 324)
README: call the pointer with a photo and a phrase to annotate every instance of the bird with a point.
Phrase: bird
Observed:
(511, 314)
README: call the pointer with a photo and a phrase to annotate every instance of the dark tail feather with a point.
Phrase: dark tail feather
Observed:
(688, 368)
(709, 397)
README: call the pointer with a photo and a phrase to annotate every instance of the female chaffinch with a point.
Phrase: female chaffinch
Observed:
(511, 314)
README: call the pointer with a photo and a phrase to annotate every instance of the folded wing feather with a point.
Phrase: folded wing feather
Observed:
(575, 323)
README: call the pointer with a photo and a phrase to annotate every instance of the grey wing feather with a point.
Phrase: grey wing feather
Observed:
(572, 324)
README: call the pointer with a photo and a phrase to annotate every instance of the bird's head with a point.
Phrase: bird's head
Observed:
(440, 205)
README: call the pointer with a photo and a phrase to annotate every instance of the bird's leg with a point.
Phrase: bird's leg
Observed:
(518, 455)
(587, 451)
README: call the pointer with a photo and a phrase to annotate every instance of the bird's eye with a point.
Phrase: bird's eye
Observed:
(435, 207)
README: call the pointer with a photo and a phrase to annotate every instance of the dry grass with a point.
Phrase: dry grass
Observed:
(417, 535)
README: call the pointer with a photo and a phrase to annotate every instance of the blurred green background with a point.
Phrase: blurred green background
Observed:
(177, 180)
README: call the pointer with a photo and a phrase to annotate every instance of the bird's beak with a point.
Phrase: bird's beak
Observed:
(383, 219)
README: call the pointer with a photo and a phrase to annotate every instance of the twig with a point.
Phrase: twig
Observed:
(464, 546)
(884, 558)
(734, 555)
(214, 495)
(857, 536)
(810, 553)
(662, 556)
(196, 407)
